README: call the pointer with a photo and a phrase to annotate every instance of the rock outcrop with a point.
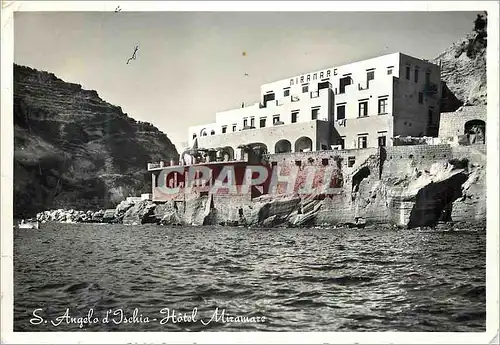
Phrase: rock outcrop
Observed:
(399, 185)
(141, 213)
(74, 150)
(463, 69)
(71, 216)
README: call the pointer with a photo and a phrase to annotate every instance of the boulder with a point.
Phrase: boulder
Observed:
(141, 213)
(273, 221)
(163, 210)
(171, 218)
(109, 216)
(122, 208)
(97, 216)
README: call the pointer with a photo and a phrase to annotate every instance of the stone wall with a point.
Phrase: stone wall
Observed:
(452, 124)
(399, 185)
(402, 160)
(316, 158)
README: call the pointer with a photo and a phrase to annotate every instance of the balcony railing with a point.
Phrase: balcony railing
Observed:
(162, 164)
(365, 86)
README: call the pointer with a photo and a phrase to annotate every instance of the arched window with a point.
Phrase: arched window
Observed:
(212, 132)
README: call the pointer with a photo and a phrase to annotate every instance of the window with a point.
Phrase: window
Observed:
(294, 116)
(430, 117)
(234, 128)
(341, 142)
(305, 88)
(416, 75)
(194, 136)
(382, 106)
(362, 142)
(420, 97)
(341, 112)
(212, 132)
(224, 129)
(262, 122)
(276, 118)
(245, 122)
(286, 92)
(343, 83)
(427, 78)
(252, 122)
(408, 72)
(324, 85)
(370, 75)
(268, 97)
(350, 161)
(381, 141)
(363, 108)
(389, 70)
(314, 113)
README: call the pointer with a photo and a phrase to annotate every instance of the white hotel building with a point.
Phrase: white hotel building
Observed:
(358, 105)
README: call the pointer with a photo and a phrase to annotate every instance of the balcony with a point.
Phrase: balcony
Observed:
(363, 87)
(161, 164)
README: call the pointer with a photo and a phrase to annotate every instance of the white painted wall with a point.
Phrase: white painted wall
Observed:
(401, 95)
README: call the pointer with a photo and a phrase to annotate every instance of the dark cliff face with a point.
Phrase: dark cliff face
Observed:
(72, 149)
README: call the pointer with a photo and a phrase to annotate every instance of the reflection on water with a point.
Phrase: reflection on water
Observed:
(297, 279)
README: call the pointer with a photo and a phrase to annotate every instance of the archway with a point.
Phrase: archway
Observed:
(227, 153)
(203, 132)
(257, 147)
(303, 144)
(475, 130)
(253, 151)
(283, 146)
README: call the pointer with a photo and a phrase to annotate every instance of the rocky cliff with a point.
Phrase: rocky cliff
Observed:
(410, 186)
(463, 69)
(74, 150)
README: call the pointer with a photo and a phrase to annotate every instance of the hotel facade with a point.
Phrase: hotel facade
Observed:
(359, 105)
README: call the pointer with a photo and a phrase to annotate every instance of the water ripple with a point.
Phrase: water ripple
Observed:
(299, 279)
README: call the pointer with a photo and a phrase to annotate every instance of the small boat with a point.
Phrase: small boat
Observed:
(29, 224)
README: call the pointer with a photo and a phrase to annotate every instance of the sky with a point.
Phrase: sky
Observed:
(191, 65)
